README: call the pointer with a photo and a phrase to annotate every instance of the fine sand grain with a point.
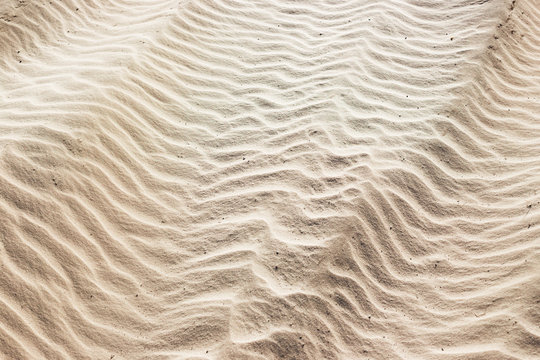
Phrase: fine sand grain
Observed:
(277, 179)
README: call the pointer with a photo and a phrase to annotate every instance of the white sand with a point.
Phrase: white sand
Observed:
(248, 179)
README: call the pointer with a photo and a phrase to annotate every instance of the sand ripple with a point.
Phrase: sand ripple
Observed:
(235, 179)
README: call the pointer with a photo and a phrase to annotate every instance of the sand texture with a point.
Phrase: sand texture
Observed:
(277, 179)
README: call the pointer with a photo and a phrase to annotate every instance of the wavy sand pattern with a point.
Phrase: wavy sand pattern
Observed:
(234, 179)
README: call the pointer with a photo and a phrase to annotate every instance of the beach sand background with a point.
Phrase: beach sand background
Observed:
(234, 179)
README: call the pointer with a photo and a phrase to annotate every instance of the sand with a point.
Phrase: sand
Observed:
(248, 179)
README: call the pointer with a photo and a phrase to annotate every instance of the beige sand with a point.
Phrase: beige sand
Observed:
(278, 179)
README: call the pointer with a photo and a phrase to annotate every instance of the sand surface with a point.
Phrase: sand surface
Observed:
(278, 179)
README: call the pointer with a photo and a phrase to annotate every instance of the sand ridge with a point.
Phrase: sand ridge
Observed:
(269, 179)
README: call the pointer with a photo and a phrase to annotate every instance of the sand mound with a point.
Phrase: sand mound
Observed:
(279, 179)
